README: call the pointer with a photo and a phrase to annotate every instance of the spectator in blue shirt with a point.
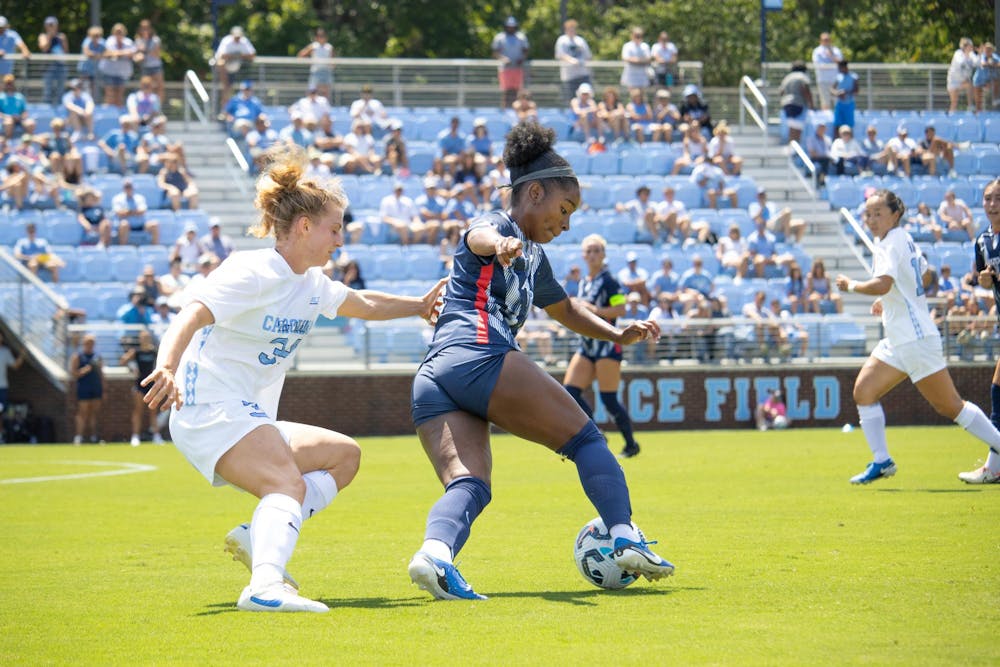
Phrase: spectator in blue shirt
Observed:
(479, 140)
(34, 252)
(13, 107)
(664, 280)
(451, 142)
(10, 41)
(135, 311)
(121, 146)
(244, 105)
(762, 248)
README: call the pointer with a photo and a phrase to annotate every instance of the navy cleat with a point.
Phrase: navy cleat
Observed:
(629, 451)
(637, 558)
(875, 471)
(440, 579)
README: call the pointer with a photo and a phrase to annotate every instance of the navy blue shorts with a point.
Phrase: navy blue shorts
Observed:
(3, 399)
(604, 349)
(89, 393)
(458, 377)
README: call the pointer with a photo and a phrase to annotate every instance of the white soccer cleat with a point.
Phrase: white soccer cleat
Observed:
(238, 544)
(980, 476)
(277, 597)
(157, 439)
(135, 441)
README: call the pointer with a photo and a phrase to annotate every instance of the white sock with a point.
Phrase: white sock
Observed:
(321, 489)
(273, 533)
(975, 421)
(993, 462)
(872, 420)
(437, 549)
(624, 530)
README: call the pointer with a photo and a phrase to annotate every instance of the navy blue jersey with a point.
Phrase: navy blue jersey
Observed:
(487, 303)
(987, 255)
(603, 291)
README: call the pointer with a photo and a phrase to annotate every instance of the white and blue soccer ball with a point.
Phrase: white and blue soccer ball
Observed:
(593, 554)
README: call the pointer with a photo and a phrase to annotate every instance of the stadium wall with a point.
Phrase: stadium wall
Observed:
(656, 398)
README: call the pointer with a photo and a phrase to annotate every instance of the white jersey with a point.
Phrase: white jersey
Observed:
(904, 308)
(262, 311)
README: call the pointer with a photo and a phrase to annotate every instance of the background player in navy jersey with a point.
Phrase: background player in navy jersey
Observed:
(602, 295)
(987, 258)
(475, 374)
(912, 344)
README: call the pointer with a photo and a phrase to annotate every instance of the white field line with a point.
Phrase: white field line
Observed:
(124, 469)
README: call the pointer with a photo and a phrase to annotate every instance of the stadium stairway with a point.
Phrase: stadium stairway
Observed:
(764, 160)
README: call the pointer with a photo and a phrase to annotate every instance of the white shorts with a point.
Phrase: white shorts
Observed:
(203, 433)
(918, 359)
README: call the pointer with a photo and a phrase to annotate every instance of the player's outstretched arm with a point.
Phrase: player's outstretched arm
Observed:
(575, 317)
(371, 305)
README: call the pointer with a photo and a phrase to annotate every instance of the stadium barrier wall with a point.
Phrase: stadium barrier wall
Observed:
(657, 399)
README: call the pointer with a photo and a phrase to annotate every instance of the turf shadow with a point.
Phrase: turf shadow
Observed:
(587, 598)
(930, 490)
(359, 603)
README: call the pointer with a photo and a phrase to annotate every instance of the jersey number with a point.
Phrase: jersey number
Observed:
(916, 272)
(281, 349)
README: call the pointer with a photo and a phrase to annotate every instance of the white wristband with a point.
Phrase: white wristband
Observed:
(852, 285)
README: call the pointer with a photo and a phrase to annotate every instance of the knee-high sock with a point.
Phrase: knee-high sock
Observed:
(872, 420)
(273, 534)
(450, 519)
(577, 395)
(974, 420)
(602, 478)
(321, 489)
(618, 413)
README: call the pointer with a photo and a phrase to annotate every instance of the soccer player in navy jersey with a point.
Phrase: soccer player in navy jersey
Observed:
(987, 258)
(474, 373)
(602, 294)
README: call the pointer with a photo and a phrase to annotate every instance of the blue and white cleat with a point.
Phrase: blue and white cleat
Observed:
(440, 579)
(278, 597)
(637, 558)
(238, 544)
(875, 471)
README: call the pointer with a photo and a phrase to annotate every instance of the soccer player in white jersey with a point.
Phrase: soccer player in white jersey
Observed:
(223, 360)
(912, 346)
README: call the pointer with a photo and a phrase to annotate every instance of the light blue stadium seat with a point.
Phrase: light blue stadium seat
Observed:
(955, 256)
(373, 190)
(689, 194)
(390, 263)
(968, 128)
(603, 164)
(96, 266)
(597, 194)
(364, 255)
(198, 216)
(578, 159)
(618, 230)
(156, 255)
(844, 194)
(421, 161)
(966, 163)
(931, 193)
(634, 162)
(989, 163)
(125, 268)
(423, 262)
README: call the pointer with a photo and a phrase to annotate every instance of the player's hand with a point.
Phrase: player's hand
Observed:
(842, 282)
(876, 308)
(164, 391)
(507, 249)
(986, 278)
(433, 301)
(638, 331)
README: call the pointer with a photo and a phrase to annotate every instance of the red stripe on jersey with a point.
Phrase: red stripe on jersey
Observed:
(482, 296)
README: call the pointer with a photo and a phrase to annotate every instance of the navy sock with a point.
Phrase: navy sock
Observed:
(602, 478)
(995, 402)
(617, 412)
(577, 395)
(450, 520)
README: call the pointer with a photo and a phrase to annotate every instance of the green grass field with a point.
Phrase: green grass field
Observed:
(780, 561)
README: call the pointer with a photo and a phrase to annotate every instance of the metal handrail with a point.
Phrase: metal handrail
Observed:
(239, 177)
(191, 99)
(746, 107)
(795, 150)
(849, 241)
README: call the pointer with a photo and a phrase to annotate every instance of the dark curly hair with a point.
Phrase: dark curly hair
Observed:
(892, 200)
(529, 149)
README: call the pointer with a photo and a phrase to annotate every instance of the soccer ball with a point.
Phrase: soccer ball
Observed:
(780, 421)
(592, 553)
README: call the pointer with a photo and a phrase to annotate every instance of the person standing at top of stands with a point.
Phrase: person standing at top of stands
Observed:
(844, 89)
(825, 58)
(474, 373)
(637, 56)
(664, 54)
(320, 52)
(596, 359)
(116, 65)
(54, 43)
(10, 41)
(986, 256)
(573, 54)
(796, 100)
(234, 51)
(510, 47)
(148, 56)
(912, 346)
(223, 359)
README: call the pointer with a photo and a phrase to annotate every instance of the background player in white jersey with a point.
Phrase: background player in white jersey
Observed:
(912, 346)
(230, 348)
(986, 255)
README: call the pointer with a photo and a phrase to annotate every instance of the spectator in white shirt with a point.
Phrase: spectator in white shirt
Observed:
(637, 57)
(825, 58)
(372, 111)
(398, 211)
(846, 151)
(359, 144)
(573, 52)
(818, 146)
(955, 214)
(235, 49)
